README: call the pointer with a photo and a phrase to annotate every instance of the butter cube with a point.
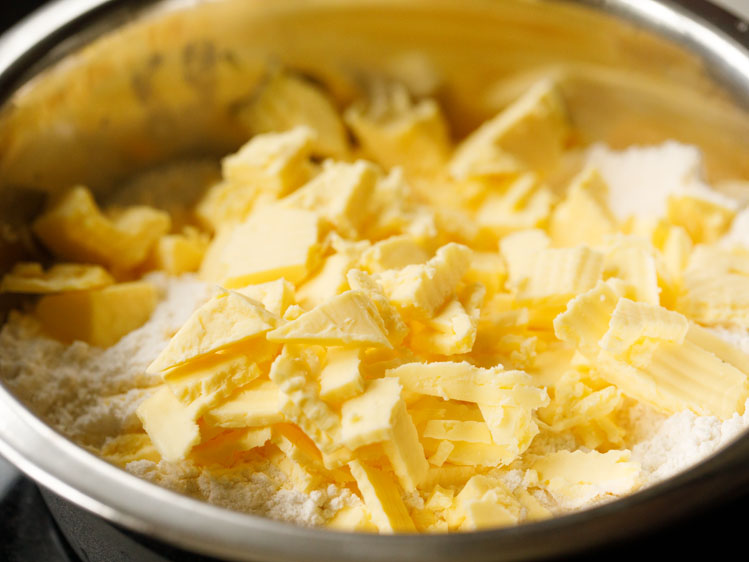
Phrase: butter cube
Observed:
(382, 498)
(75, 229)
(463, 381)
(352, 518)
(257, 404)
(169, 424)
(395, 131)
(379, 415)
(530, 133)
(350, 318)
(99, 317)
(178, 253)
(395, 327)
(225, 320)
(523, 204)
(579, 477)
(340, 193)
(30, 278)
(418, 291)
(631, 321)
(285, 101)
(340, 378)
(520, 251)
(273, 242)
(395, 252)
(584, 216)
(276, 296)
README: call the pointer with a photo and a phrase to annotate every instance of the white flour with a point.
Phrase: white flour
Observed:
(90, 395)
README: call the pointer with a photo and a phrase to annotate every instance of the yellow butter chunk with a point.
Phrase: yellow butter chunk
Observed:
(74, 228)
(578, 477)
(420, 290)
(330, 279)
(563, 273)
(32, 279)
(382, 498)
(717, 299)
(452, 331)
(520, 251)
(483, 502)
(225, 320)
(513, 426)
(584, 216)
(295, 374)
(587, 317)
(257, 404)
(675, 246)
(488, 269)
(455, 430)
(633, 261)
(716, 345)
(441, 453)
(272, 164)
(205, 382)
(340, 378)
(396, 131)
(347, 319)
(395, 327)
(530, 133)
(178, 253)
(99, 317)
(169, 424)
(352, 518)
(285, 101)
(523, 204)
(340, 193)
(395, 252)
(276, 296)
(632, 321)
(463, 381)
(272, 243)
(705, 221)
(379, 416)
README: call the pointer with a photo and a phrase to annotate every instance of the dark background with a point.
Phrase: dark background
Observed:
(27, 534)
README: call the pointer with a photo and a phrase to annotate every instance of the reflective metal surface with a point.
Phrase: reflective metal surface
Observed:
(170, 83)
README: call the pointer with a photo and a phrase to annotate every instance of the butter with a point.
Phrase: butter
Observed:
(169, 424)
(382, 499)
(31, 278)
(75, 229)
(255, 405)
(99, 317)
(340, 378)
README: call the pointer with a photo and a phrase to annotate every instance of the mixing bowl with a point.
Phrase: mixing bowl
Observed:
(97, 91)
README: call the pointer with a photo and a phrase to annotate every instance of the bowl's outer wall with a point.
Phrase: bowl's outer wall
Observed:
(171, 84)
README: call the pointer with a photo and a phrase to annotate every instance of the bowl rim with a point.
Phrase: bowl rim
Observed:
(126, 500)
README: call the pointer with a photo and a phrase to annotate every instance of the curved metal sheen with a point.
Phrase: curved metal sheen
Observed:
(169, 83)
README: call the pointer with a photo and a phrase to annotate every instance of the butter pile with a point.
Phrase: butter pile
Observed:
(410, 320)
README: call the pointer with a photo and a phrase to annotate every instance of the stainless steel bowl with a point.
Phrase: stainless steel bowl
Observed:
(95, 91)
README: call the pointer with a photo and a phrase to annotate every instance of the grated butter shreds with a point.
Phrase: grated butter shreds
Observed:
(449, 346)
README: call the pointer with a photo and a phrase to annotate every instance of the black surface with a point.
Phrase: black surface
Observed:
(29, 534)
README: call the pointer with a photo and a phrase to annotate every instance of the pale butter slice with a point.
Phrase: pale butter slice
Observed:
(330, 279)
(287, 101)
(524, 204)
(257, 404)
(379, 416)
(584, 216)
(382, 498)
(352, 518)
(273, 242)
(631, 321)
(578, 477)
(633, 261)
(561, 274)
(204, 383)
(457, 430)
(169, 424)
(340, 378)
(31, 278)
(340, 193)
(483, 502)
(420, 290)
(463, 381)
(395, 252)
(397, 131)
(276, 296)
(520, 250)
(395, 327)
(350, 318)
(295, 374)
(99, 317)
(225, 320)
(530, 133)
(451, 332)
